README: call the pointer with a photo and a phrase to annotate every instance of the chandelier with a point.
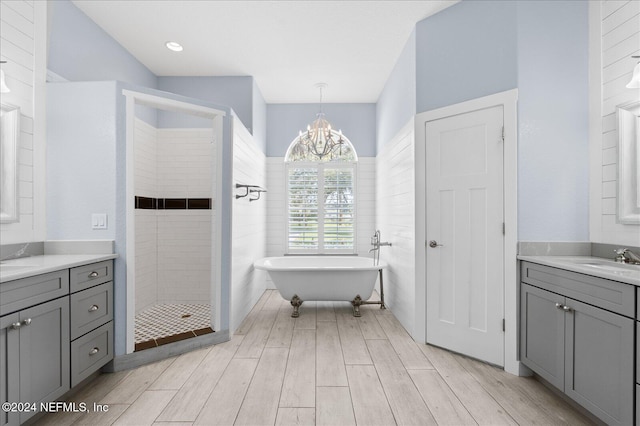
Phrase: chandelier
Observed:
(320, 140)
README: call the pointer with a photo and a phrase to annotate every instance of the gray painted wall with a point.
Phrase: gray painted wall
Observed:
(357, 122)
(553, 128)
(85, 149)
(397, 102)
(73, 193)
(236, 92)
(79, 50)
(465, 52)
(477, 48)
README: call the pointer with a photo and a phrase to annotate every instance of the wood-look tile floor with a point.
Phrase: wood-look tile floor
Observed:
(324, 368)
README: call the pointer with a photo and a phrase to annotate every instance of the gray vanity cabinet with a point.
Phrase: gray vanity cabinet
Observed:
(44, 353)
(34, 356)
(9, 365)
(599, 362)
(582, 349)
(542, 333)
(56, 329)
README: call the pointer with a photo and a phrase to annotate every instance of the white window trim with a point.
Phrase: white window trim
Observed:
(321, 166)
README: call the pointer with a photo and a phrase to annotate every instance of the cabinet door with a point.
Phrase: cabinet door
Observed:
(542, 333)
(44, 352)
(599, 362)
(9, 364)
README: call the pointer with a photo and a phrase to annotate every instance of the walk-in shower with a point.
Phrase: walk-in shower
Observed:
(174, 239)
(174, 185)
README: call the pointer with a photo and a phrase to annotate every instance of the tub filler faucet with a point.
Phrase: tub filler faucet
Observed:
(376, 243)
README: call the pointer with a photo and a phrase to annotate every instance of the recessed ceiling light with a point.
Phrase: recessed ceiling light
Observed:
(174, 45)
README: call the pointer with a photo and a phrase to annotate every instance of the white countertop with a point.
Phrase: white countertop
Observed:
(35, 265)
(594, 266)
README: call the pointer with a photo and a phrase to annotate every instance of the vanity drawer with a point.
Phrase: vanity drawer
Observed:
(90, 352)
(90, 275)
(91, 308)
(610, 295)
(25, 292)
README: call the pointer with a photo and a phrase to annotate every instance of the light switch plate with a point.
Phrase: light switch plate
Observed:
(99, 221)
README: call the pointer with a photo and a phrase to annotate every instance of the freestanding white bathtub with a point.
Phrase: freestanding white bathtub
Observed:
(320, 278)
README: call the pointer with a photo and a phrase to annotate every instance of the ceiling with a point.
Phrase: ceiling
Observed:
(287, 46)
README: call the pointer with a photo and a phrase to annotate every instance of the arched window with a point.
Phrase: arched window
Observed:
(321, 191)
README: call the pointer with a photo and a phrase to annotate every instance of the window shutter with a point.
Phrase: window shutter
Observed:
(303, 208)
(339, 211)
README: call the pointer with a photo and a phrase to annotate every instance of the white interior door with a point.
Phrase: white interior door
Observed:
(464, 231)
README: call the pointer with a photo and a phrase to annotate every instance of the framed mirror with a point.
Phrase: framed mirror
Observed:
(9, 135)
(628, 160)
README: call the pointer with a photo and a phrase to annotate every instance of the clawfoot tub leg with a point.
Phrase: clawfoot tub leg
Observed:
(296, 302)
(356, 302)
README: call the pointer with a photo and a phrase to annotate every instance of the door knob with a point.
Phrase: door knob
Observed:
(434, 244)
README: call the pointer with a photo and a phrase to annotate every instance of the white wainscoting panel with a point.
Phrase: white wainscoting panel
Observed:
(366, 205)
(249, 228)
(395, 213)
(276, 207)
(23, 35)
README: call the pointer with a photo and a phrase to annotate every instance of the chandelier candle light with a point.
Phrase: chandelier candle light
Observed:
(320, 139)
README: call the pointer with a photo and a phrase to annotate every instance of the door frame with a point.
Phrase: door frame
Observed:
(508, 99)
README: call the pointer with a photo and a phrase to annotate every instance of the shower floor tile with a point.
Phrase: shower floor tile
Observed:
(171, 322)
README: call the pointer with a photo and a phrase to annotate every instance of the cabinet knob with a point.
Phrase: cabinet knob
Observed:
(94, 351)
(564, 307)
(94, 274)
(26, 322)
(94, 308)
(15, 326)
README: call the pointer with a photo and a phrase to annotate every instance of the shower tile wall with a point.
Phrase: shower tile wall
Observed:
(146, 220)
(173, 247)
(184, 236)
(184, 256)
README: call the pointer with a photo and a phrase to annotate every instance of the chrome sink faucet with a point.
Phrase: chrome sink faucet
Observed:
(624, 255)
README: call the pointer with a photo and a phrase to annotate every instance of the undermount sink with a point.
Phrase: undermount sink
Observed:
(14, 267)
(608, 265)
